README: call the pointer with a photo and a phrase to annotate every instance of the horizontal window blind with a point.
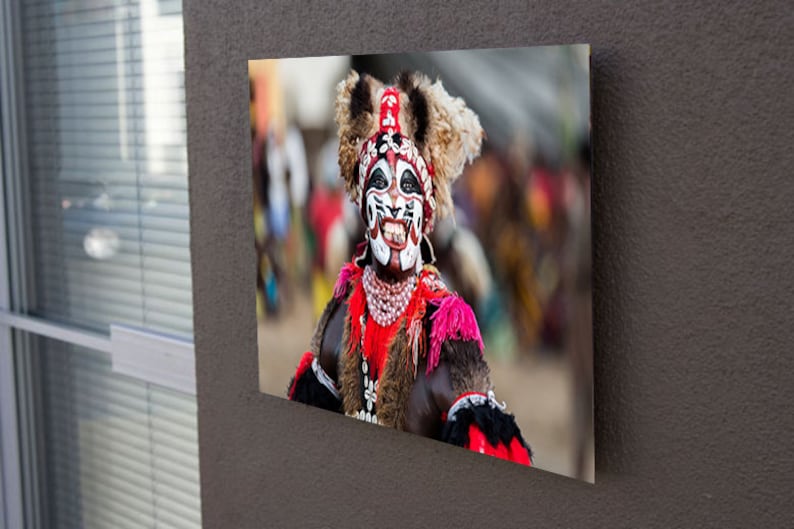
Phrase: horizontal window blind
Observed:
(108, 210)
(105, 119)
(119, 452)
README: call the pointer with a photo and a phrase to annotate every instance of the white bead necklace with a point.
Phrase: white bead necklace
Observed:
(386, 301)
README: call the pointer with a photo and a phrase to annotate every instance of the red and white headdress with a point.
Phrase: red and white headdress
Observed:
(413, 120)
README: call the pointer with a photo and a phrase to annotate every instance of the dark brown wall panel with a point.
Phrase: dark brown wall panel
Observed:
(693, 221)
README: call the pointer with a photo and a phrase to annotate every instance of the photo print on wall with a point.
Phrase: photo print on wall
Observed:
(422, 227)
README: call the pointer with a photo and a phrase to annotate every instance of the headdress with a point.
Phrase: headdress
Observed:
(414, 120)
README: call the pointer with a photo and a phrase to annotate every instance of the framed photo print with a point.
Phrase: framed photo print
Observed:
(422, 225)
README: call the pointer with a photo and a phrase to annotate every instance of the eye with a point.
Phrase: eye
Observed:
(409, 183)
(377, 180)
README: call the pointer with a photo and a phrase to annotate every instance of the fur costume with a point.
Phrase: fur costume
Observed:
(416, 362)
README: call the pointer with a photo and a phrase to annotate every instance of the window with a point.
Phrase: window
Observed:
(97, 230)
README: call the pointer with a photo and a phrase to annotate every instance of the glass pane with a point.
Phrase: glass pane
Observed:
(118, 452)
(105, 119)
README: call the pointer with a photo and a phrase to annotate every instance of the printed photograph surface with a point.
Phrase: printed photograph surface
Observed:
(423, 240)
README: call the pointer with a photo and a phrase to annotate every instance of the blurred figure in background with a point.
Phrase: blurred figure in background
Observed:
(515, 245)
(335, 224)
(281, 184)
(578, 281)
(266, 290)
(543, 196)
(461, 261)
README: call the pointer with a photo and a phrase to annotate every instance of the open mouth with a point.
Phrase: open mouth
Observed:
(395, 232)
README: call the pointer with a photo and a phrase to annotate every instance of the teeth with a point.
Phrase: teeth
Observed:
(394, 231)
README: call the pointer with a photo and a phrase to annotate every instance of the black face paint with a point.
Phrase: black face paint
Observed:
(410, 184)
(377, 180)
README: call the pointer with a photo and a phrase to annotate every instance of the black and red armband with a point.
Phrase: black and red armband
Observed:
(311, 385)
(478, 422)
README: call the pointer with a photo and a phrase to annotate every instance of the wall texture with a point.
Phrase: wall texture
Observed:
(693, 194)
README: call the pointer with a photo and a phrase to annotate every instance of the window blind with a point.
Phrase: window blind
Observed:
(119, 452)
(105, 118)
(107, 207)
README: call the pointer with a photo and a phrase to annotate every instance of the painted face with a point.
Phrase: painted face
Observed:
(394, 203)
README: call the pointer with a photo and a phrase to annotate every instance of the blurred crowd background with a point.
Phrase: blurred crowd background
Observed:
(518, 250)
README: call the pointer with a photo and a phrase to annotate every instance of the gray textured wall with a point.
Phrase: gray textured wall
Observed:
(693, 121)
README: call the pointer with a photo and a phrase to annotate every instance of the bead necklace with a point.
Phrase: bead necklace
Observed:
(386, 301)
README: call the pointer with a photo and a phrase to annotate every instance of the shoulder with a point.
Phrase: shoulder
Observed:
(450, 320)
(431, 282)
(349, 275)
(449, 315)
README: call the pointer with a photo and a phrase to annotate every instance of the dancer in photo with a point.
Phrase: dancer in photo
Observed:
(395, 346)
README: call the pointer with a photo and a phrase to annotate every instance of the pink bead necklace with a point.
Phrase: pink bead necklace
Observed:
(386, 301)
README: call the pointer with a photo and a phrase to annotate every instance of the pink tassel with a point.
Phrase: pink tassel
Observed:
(340, 289)
(455, 320)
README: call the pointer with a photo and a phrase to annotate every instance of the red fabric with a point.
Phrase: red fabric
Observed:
(390, 111)
(325, 208)
(305, 365)
(356, 307)
(377, 339)
(515, 452)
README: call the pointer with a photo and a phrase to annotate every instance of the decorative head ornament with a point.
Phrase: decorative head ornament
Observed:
(415, 123)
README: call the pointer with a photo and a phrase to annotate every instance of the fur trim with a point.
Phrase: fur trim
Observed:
(396, 383)
(447, 132)
(418, 105)
(304, 387)
(350, 372)
(454, 138)
(453, 319)
(360, 100)
(468, 370)
(356, 121)
(497, 426)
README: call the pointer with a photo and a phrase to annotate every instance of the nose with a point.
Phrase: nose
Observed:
(394, 211)
(393, 193)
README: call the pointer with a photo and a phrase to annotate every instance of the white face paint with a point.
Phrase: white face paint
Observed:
(394, 206)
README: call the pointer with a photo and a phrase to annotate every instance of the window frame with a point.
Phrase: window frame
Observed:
(22, 477)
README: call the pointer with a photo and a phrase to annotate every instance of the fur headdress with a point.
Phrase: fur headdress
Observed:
(416, 119)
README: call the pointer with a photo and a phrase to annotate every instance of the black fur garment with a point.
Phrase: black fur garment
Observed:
(308, 390)
(496, 425)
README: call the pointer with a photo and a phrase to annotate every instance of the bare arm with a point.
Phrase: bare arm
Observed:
(331, 342)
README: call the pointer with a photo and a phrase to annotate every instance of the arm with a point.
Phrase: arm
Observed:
(455, 403)
(475, 419)
(461, 387)
(315, 380)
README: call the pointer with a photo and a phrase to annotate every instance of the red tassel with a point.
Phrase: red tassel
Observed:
(515, 452)
(304, 365)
